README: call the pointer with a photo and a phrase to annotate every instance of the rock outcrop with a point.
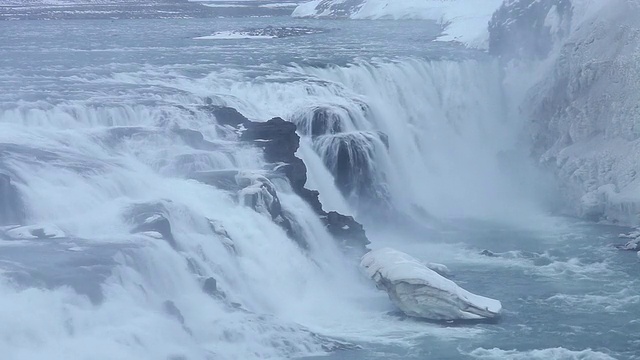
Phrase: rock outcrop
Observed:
(353, 157)
(151, 219)
(279, 141)
(255, 191)
(421, 292)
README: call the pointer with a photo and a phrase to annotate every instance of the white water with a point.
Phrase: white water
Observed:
(452, 140)
(446, 122)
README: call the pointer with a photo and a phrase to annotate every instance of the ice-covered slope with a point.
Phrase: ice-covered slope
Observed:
(584, 111)
(464, 20)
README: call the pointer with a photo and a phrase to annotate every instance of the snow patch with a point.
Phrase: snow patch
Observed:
(542, 354)
(465, 21)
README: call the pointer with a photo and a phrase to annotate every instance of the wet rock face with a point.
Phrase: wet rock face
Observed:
(255, 191)
(151, 218)
(279, 140)
(225, 115)
(12, 210)
(277, 136)
(348, 230)
(529, 28)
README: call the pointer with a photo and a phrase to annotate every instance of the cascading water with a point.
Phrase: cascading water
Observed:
(130, 253)
(83, 179)
(407, 135)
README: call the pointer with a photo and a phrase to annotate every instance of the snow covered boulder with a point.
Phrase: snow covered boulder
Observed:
(421, 292)
(633, 243)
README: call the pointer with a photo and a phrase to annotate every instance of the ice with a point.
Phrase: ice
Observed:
(421, 292)
(465, 21)
(558, 353)
(233, 35)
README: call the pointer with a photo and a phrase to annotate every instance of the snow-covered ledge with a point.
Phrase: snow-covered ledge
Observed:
(464, 21)
(421, 292)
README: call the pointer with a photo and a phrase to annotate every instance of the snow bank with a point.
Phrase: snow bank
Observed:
(464, 21)
(421, 292)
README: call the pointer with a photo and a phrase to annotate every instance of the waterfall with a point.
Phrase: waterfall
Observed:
(137, 260)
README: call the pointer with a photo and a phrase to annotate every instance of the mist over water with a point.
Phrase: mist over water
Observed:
(88, 133)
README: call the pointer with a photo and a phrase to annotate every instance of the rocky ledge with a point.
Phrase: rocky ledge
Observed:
(279, 141)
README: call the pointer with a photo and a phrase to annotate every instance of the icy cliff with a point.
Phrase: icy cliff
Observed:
(583, 111)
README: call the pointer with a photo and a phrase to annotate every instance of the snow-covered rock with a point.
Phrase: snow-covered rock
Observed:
(633, 242)
(421, 292)
(465, 21)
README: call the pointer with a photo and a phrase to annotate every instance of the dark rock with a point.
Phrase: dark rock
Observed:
(225, 115)
(312, 198)
(351, 158)
(279, 140)
(223, 235)
(196, 140)
(151, 217)
(222, 179)
(321, 121)
(261, 196)
(347, 229)
(519, 28)
(488, 253)
(277, 137)
(296, 172)
(12, 211)
(384, 138)
(171, 309)
(210, 287)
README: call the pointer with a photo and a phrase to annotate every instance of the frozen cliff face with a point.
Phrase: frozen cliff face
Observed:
(529, 28)
(585, 112)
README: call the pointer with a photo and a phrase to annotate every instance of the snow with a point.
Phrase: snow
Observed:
(232, 35)
(558, 353)
(465, 21)
(421, 292)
